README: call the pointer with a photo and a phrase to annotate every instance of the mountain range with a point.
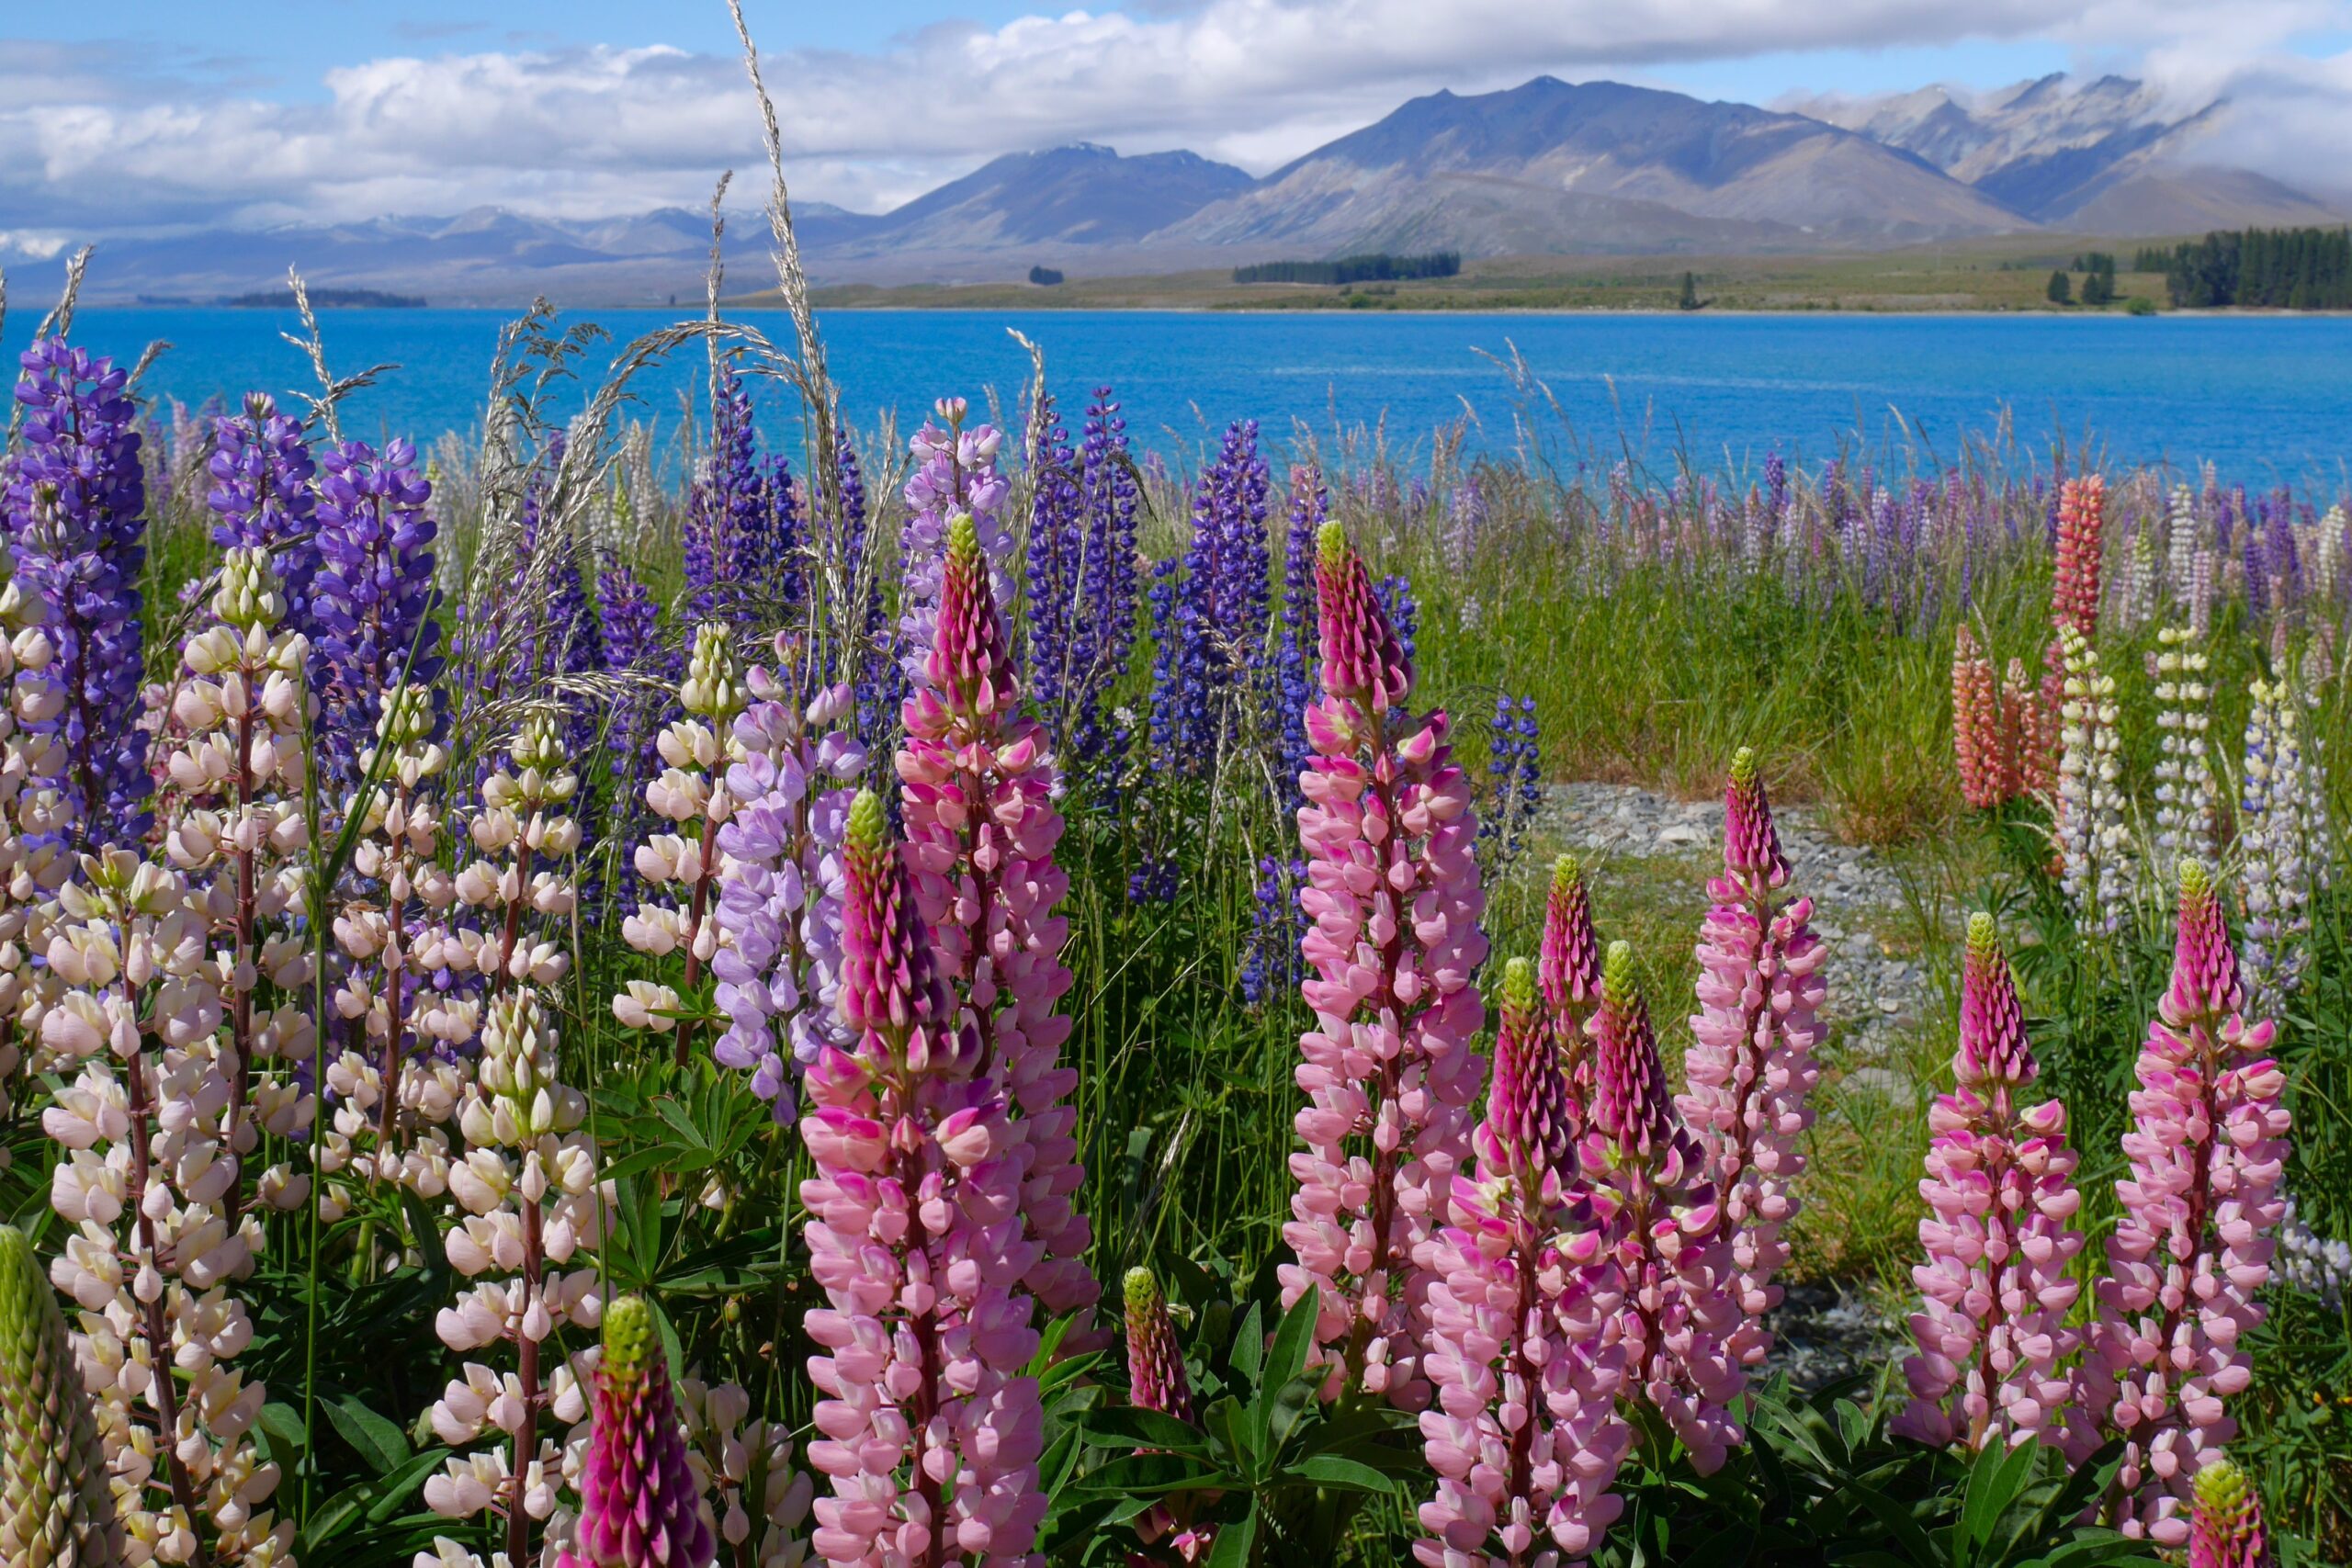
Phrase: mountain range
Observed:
(1547, 167)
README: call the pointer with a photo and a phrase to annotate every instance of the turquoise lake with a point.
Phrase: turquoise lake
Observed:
(2265, 399)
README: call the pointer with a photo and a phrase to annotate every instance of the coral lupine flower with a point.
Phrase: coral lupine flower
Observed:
(1393, 891)
(2188, 1258)
(2075, 592)
(1750, 1067)
(640, 1505)
(1524, 1435)
(1998, 1234)
(1568, 972)
(1647, 1169)
(930, 1429)
(2225, 1528)
(1976, 733)
(55, 1504)
(978, 784)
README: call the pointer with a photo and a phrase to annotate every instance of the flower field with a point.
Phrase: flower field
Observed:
(993, 996)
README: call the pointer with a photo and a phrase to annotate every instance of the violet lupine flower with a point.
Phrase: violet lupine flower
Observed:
(639, 1504)
(727, 507)
(1750, 1067)
(1270, 963)
(779, 910)
(1998, 1235)
(628, 630)
(1524, 1437)
(373, 600)
(980, 780)
(1682, 1314)
(262, 471)
(1514, 787)
(1210, 618)
(2188, 1260)
(2226, 1527)
(1082, 582)
(1390, 838)
(76, 504)
(1293, 684)
(914, 1233)
(1568, 972)
(956, 475)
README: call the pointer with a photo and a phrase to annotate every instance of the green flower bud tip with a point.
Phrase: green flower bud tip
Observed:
(866, 824)
(1743, 768)
(1518, 985)
(1617, 985)
(2195, 882)
(1567, 871)
(1331, 544)
(631, 1339)
(963, 537)
(1983, 936)
(1142, 1288)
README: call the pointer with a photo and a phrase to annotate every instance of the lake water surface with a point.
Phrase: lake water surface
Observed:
(2265, 399)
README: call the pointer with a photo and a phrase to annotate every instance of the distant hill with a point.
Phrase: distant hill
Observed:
(1597, 166)
(1545, 168)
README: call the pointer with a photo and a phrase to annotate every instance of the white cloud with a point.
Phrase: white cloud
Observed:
(91, 140)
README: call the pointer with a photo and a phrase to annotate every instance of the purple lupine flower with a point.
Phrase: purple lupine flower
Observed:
(1404, 613)
(1212, 617)
(1514, 787)
(1293, 684)
(956, 474)
(628, 634)
(726, 508)
(373, 599)
(76, 506)
(262, 469)
(1270, 961)
(640, 1503)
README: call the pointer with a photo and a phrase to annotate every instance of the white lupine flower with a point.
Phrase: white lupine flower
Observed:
(2092, 841)
(2187, 801)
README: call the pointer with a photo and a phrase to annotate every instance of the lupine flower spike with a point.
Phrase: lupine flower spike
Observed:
(1568, 972)
(640, 1503)
(978, 781)
(1524, 1435)
(1750, 1069)
(2225, 1528)
(1157, 1381)
(1681, 1308)
(56, 1507)
(2188, 1260)
(931, 1428)
(1392, 890)
(1998, 1234)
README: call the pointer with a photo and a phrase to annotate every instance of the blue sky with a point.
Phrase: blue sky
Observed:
(159, 114)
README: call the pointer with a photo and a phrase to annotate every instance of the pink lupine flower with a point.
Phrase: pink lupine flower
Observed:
(1524, 1435)
(2075, 592)
(1157, 1381)
(1156, 1376)
(1979, 751)
(979, 783)
(930, 1428)
(1567, 971)
(2188, 1260)
(1750, 1066)
(2225, 1528)
(639, 1504)
(1998, 1234)
(1681, 1309)
(1390, 1068)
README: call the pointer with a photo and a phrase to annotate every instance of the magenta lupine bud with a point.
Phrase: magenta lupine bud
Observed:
(1750, 1068)
(639, 1507)
(1390, 1067)
(2188, 1260)
(1524, 1437)
(1567, 969)
(1681, 1304)
(2225, 1528)
(1156, 1376)
(978, 781)
(1998, 1235)
(1527, 1102)
(930, 1428)
(1361, 659)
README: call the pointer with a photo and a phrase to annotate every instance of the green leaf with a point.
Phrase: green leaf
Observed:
(383, 1444)
(1281, 1398)
(1234, 1541)
(1994, 1482)
(1126, 1425)
(1341, 1474)
(1250, 1344)
(1899, 1523)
